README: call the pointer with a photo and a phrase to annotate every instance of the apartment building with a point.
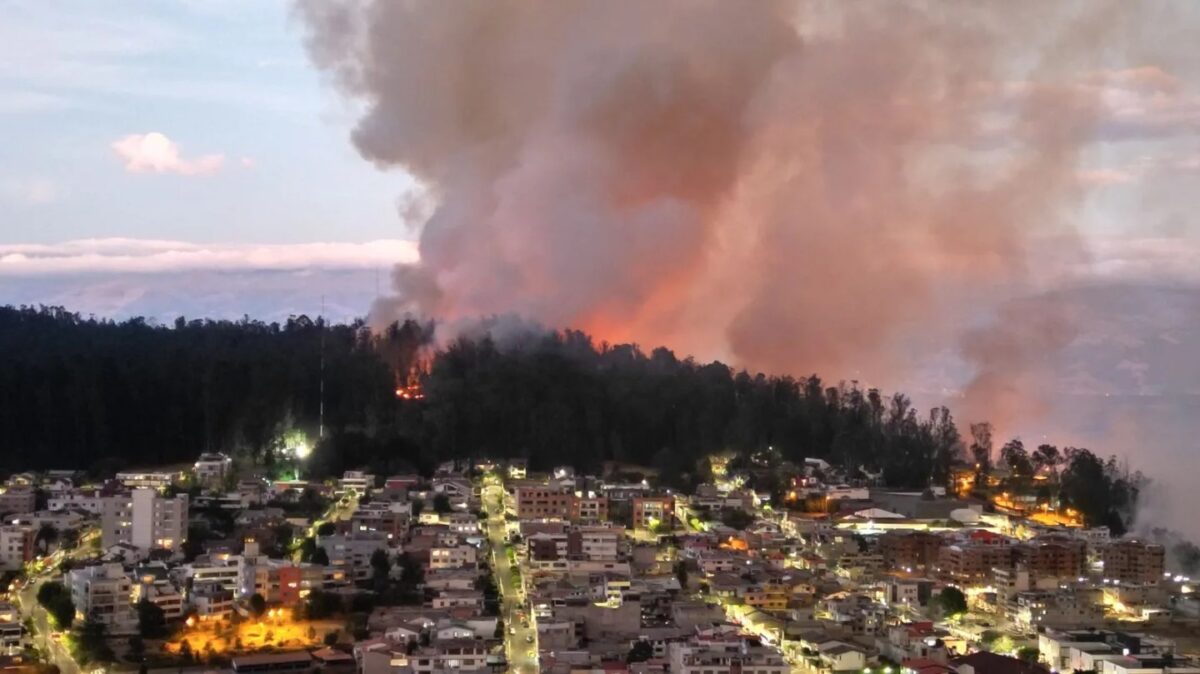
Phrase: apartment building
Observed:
(386, 517)
(212, 467)
(910, 549)
(352, 554)
(543, 503)
(973, 561)
(18, 499)
(1133, 561)
(589, 507)
(651, 510)
(1058, 556)
(145, 520)
(87, 501)
(149, 479)
(16, 546)
(452, 557)
(594, 544)
(717, 658)
(102, 593)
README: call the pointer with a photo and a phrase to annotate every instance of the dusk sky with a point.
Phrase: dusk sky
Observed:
(252, 166)
(204, 123)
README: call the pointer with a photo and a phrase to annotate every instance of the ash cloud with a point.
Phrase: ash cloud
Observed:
(795, 187)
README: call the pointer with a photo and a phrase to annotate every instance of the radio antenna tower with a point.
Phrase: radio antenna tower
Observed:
(321, 413)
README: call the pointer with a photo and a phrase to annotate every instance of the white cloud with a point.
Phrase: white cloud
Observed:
(154, 152)
(148, 256)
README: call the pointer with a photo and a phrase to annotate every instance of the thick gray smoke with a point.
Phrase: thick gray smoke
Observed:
(792, 186)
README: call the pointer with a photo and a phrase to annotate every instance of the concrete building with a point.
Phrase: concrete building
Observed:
(1058, 556)
(102, 593)
(589, 508)
(89, 502)
(973, 561)
(452, 557)
(910, 549)
(150, 479)
(352, 554)
(543, 503)
(212, 467)
(16, 546)
(17, 499)
(1133, 561)
(144, 520)
(651, 510)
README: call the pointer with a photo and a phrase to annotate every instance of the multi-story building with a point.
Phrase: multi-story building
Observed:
(1058, 556)
(387, 517)
(589, 507)
(972, 561)
(448, 655)
(17, 499)
(718, 658)
(357, 481)
(594, 544)
(352, 554)
(452, 557)
(210, 599)
(910, 549)
(543, 503)
(144, 520)
(766, 598)
(87, 501)
(102, 593)
(649, 511)
(150, 479)
(212, 467)
(16, 546)
(1133, 561)
(151, 583)
(1055, 608)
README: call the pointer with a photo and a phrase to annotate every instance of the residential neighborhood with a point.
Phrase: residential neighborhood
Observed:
(491, 566)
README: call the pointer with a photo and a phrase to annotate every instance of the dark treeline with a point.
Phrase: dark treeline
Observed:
(75, 392)
(79, 392)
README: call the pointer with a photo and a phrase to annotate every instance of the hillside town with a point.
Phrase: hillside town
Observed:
(488, 566)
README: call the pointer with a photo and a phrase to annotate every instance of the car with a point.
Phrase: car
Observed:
(529, 639)
(512, 630)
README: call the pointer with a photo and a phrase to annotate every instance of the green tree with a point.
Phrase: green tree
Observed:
(320, 557)
(1028, 654)
(952, 602)
(152, 621)
(441, 504)
(326, 529)
(640, 652)
(257, 605)
(681, 573)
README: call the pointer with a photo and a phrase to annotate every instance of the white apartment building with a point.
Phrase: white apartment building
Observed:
(356, 480)
(88, 502)
(212, 467)
(144, 520)
(352, 554)
(224, 570)
(152, 479)
(103, 593)
(16, 546)
(451, 557)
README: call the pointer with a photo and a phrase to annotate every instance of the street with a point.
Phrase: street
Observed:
(520, 641)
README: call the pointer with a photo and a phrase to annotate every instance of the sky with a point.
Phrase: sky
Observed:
(188, 158)
(172, 127)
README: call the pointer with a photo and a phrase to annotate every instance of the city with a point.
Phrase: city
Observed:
(490, 566)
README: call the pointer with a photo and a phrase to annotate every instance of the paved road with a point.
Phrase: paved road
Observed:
(520, 642)
(56, 652)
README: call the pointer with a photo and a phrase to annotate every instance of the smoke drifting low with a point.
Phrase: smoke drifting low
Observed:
(793, 186)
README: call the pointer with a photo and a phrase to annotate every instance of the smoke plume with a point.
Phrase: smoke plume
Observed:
(793, 186)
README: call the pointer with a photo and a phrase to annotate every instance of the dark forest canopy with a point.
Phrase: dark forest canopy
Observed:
(81, 392)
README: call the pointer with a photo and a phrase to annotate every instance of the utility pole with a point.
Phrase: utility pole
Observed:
(321, 413)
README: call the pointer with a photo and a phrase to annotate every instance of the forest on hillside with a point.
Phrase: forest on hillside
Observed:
(79, 392)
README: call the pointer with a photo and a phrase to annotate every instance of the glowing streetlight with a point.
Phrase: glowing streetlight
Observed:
(302, 450)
